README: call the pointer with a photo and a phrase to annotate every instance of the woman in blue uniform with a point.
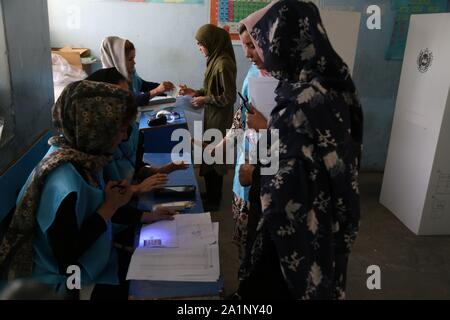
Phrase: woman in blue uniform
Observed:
(65, 210)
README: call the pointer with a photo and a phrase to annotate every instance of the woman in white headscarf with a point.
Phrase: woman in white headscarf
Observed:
(120, 54)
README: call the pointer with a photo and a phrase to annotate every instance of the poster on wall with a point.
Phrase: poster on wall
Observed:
(404, 9)
(227, 14)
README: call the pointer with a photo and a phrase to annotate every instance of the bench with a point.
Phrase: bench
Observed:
(13, 179)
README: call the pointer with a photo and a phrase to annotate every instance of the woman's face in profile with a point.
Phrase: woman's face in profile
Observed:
(121, 135)
(130, 62)
(250, 50)
(203, 49)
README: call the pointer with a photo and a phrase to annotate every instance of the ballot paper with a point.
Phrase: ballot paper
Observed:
(194, 230)
(158, 104)
(194, 261)
(196, 264)
(262, 94)
(161, 100)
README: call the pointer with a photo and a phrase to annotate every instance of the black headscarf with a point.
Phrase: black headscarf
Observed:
(311, 204)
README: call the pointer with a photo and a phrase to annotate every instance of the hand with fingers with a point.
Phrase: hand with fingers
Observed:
(157, 215)
(152, 183)
(246, 174)
(255, 119)
(198, 102)
(173, 166)
(164, 87)
(185, 91)
(117, 194)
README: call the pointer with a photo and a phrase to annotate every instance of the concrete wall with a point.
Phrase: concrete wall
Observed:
(26, 75)
(164, 36)
(162, 33)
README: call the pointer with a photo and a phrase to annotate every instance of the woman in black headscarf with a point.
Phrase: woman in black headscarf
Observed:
(310, 207)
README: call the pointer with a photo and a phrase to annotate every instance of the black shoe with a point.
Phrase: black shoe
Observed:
(210, 207)
(233, 296)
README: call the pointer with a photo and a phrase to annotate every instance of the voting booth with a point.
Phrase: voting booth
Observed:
(416, 183)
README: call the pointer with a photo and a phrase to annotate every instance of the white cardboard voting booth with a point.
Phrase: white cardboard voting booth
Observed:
(416, 183)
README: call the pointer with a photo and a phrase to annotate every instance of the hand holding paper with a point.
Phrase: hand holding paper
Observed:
(255, 119)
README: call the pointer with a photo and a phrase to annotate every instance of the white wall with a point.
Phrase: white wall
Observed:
(162, 33)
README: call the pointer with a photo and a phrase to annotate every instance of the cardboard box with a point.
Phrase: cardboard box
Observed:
(73, 55)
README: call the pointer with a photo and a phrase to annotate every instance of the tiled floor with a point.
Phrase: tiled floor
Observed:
(412, 267)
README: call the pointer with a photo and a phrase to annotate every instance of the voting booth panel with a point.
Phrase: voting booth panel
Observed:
(343, 29)
(416, 183)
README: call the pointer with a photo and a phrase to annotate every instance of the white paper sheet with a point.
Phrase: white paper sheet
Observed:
(198, 263)
(176, 264)
(184, 230)
(262, 93)
(159, 234)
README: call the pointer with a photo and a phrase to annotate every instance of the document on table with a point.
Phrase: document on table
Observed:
(195, 229)
(193, 263)
(262, 93)
(186, 230)
(159, 234)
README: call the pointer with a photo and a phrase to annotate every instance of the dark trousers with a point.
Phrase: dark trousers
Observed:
(214, 184)
(118, 292)
(265, 280)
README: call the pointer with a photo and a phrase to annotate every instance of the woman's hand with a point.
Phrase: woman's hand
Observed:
(145, 172)
(164, 87)
(198, 102)
(117, 194)
(157, 215)
(153, 182)
(185, 91)
(255, 119)
(170, 167)
(245, 174)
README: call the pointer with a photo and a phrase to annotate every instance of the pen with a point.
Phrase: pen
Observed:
(122, 188)
(244, 100)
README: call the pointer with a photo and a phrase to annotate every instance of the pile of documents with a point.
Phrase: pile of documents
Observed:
(184, 249)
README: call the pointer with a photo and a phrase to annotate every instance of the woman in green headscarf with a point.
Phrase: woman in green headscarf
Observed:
(217, 97)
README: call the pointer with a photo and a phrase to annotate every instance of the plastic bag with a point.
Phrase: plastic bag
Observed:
(64, 73)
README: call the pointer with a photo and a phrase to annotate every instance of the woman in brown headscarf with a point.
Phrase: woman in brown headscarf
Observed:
(217, 97)
(65, 211)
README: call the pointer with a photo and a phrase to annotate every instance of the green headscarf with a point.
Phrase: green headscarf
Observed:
(89, 115)
(218, 43)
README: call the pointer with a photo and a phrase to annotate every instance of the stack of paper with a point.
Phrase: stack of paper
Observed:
(185, 249)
